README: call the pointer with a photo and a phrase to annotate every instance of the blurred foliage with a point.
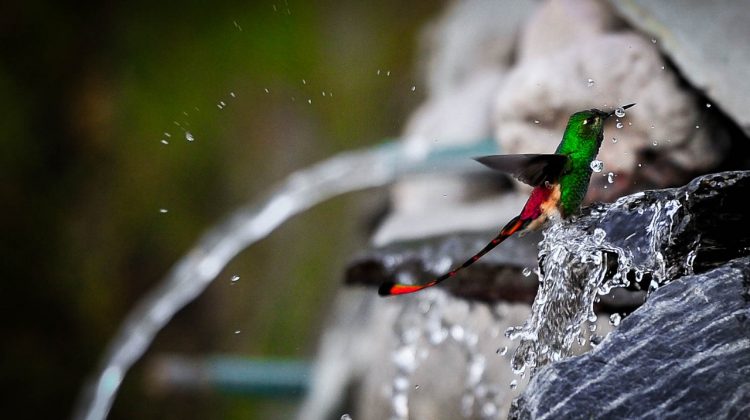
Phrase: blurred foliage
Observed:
(90, 89)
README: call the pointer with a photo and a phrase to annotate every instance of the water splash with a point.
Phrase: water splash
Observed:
(343, 173)
(423, 325)
(578, 264)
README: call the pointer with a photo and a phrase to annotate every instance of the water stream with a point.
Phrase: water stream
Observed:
(580, 263)
(350, 171)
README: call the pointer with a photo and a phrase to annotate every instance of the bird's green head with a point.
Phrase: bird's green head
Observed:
(585, 132)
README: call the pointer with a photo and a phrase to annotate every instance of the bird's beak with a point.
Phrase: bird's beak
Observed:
(609, 114)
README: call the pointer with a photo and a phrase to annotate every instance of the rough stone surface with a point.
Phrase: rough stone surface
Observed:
(684, 354)
(644, 241)
(707, 41)
(676, 231)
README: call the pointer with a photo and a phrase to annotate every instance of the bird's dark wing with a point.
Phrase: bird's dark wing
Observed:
(530, 169)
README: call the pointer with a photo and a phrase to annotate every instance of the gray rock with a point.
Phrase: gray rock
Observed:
(496, 277)
(684, 354)
(599, 62)
(644, 240)
(707, 41)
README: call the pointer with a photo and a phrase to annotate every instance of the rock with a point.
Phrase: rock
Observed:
(684, 354)
(644, 240)
(497, 276)
(712, 56)
(470, 38)
(551, 81)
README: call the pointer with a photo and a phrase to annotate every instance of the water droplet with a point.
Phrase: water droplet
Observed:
(309, 101)
(614, 139)
(413, 88)
(164, 141)
(162, 211)
(502, 351)
(653, 40)
(655, 143)
(526, 272)
(619, 125)
(405, 358)
(662, 67)
(237, 331)
(235, 278)
(416, 387)
(266, 90)
(401, 383)
(640, 165)
(512, 332)
(378, 72)
(489, 410)
(611, 178)
(400, 405)
(189, 136)
(514, 384)
(323, 93)
(620, 112)
(167, 134)
(614, 319)
(388, 73)
(457, 332)
(536, 121)
(697, 126)
(346, 417)
(597, 165)
(590, 82)
(708, 105)
(599, 235)
(232, 94)
(304, 82)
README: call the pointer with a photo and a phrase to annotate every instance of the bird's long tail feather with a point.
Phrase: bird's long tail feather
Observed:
(390, 288)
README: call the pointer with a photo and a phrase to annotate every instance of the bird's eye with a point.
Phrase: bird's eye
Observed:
(587, 121)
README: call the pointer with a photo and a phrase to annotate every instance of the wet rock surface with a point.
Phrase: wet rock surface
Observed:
(641, 241)
(684, 354)
(673, 232)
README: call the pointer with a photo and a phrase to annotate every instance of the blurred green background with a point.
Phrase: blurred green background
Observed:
(89, 90)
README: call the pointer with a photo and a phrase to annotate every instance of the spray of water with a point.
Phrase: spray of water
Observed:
(425, 325)
(343, 173)
(578, 263)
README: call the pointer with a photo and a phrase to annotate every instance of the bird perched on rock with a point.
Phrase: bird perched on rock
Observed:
(560, 182)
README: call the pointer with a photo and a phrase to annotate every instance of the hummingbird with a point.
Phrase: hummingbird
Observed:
(559, 180)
